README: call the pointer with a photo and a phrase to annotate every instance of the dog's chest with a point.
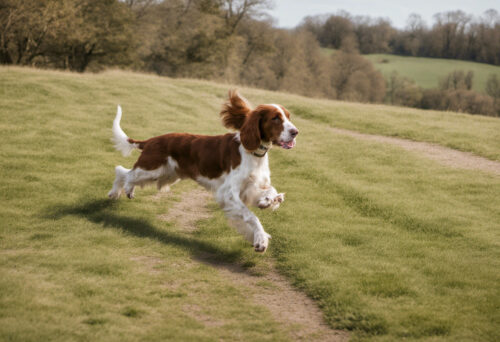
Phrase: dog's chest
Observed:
(254, 169)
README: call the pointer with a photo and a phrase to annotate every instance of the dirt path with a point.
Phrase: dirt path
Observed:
(190, 209)
(441, 154)
(299, 314)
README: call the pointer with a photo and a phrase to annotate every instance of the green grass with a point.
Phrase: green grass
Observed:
(391, 245)
(477, 134)
(427, 72)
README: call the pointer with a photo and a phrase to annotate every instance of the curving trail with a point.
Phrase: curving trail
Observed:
(297, 313)
(444, 155)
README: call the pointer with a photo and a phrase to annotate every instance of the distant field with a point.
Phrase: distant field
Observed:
(427, 72)
(392, 246)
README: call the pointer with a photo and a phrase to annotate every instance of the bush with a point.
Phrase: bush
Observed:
(457, 80)
(493, 89)
(463, 101)
(467, 101)
(433, 99)
(403, 91)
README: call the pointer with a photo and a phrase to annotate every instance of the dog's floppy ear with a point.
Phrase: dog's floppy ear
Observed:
(250, 131)
(235, 111)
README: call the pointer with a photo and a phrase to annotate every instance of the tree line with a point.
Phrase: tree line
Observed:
(225, 40)
(232, 41)
(453, 34)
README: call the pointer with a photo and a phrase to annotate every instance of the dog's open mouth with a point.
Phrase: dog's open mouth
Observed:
(287, 144)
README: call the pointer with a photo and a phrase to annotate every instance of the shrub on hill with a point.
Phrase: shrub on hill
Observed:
(402, 91)
(493, 90)
(454, 95)
(463, 101)
(457, 80)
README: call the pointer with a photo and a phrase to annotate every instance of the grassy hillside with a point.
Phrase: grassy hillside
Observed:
(427, 72)
(391, 245)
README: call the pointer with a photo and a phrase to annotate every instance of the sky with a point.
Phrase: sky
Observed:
(289, 13)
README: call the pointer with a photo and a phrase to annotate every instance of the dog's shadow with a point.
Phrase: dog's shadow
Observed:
(103, 212)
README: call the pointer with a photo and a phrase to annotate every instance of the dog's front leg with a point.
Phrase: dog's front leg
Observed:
(270, 198)
(244, 221)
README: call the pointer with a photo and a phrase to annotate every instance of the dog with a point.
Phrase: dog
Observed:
(234, 166)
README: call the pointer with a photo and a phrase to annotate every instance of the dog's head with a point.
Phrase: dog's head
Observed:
(266, 124)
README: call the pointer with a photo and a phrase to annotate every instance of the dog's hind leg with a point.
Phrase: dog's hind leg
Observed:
(169, 177)
(121, 174)
(138, 176)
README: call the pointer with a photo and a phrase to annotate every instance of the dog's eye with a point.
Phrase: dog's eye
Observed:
(276, 118)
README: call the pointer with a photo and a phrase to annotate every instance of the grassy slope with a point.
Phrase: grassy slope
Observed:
(391, 245)
(75, 266)
(477, 134)
(427, 72)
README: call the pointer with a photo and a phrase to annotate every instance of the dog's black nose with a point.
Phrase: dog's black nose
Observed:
(294, 132)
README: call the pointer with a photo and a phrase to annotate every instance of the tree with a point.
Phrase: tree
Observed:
(493, 90)
(486, 44)
(64, 33)
(374, 35)
(335, 30)
(457, 80)
(25, 27)
(237, 10)
(355, 79)
(97, 31)
(449, 34)
(412, 38)
(258, 41)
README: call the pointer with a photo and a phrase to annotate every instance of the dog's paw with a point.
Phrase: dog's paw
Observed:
(261, 241)
(265, 202)
(114, 194)
(273, 202)
(277, 201)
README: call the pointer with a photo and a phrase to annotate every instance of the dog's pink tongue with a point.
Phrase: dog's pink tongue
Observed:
(288, 145)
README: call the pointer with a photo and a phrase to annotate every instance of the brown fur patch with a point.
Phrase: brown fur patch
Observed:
(196, 155)
(263, 124)
(234, 112)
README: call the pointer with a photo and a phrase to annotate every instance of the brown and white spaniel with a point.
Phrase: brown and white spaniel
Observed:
(234, 166)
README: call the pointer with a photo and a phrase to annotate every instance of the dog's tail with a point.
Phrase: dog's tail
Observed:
(120, 140)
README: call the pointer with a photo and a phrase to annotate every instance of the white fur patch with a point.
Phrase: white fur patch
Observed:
(287, 125)
(279, 109)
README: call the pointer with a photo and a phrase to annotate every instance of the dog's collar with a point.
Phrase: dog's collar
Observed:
(262, 150)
